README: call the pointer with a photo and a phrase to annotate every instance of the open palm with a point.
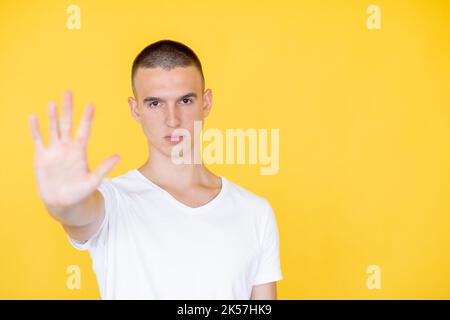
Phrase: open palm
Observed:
(61, 168)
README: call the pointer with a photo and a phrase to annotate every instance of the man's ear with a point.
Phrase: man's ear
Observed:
(207, 102)
(134, 109)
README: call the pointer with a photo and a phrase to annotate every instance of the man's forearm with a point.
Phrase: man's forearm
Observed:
(81, 214)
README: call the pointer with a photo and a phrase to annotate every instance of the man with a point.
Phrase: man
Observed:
(165, 230)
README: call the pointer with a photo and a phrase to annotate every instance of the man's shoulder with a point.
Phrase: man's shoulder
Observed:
(128, 182)
(244, 195)
(125, 177)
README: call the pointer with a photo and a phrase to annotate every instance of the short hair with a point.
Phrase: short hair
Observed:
(167, 54)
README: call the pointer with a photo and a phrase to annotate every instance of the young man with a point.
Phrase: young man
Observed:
(165, 230)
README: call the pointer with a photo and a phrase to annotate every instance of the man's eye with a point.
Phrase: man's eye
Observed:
(187, 100)
(154, 103)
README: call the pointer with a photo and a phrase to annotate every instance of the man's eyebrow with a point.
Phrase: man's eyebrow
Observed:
(188, 95)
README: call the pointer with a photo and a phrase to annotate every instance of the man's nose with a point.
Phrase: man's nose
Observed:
(172, 116)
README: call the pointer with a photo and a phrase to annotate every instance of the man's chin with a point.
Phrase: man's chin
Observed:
(168, 151)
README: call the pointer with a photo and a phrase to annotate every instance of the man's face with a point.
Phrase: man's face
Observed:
(168, 100)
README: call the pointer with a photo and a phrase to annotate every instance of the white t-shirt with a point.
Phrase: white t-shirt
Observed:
(152, 246)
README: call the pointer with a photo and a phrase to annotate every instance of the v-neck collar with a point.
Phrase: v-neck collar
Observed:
(191, 210)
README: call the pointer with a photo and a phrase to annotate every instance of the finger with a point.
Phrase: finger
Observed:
(35, 132)
(66, 117)
(53, 122)
(84, 129)
(104, 168)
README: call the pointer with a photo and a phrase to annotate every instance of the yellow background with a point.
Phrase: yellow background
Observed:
(363, 116)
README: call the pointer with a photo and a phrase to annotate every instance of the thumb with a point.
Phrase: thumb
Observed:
(104, 168)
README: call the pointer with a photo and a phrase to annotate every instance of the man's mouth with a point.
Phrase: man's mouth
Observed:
(174, 139)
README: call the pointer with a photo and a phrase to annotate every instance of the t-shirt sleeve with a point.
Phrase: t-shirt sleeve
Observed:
(107, 189)
(269, 268)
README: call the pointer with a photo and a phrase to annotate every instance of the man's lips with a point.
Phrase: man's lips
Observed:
(173, 139)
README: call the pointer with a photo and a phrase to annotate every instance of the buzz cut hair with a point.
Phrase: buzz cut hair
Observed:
(166, 54)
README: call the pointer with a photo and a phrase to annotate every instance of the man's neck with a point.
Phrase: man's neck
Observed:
(163, 171)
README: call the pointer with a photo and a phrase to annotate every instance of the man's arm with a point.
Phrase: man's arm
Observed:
(265, 291)
(92, 211)
(66, 185)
